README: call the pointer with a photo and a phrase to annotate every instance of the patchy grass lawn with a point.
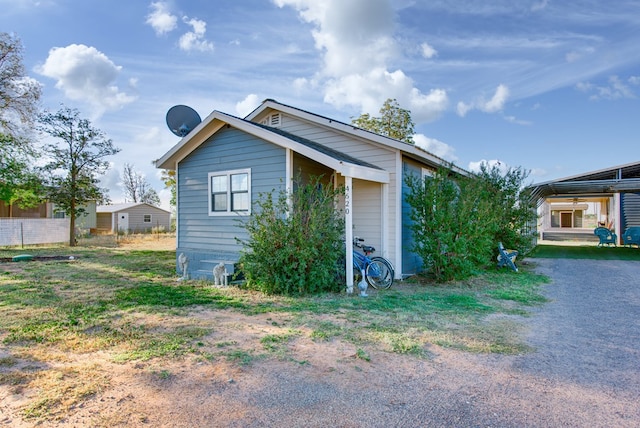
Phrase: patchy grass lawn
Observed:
(125, 303)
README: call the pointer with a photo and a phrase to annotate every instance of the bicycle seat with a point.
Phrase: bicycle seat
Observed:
(368, 249)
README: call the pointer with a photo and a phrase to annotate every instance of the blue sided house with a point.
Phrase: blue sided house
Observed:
(225, 163)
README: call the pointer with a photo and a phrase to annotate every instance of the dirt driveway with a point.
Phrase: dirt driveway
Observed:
(584, 372)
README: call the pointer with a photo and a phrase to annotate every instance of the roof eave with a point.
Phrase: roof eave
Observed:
(354, 131)
(217, 120)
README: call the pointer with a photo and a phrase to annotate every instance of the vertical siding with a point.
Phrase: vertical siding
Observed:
(379, 156)
(411, 262)
(159, 217)
(630, 209)
(367, 214)
(228, 149)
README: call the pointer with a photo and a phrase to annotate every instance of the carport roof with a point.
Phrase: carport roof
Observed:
(622, 178)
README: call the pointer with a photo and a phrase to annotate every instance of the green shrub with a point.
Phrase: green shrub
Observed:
(295, 240)
(457, 222)
(513, 210)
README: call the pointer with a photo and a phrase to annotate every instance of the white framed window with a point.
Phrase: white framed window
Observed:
(230, 192)
(146, 218)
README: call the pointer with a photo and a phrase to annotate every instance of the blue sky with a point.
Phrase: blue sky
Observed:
(549, 85)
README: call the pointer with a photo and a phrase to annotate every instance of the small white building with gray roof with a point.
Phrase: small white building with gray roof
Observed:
(135, 217)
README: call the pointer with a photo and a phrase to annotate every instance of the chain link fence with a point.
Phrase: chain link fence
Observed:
(33, 231)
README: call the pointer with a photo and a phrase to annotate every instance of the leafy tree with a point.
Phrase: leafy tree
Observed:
(449, 225)
(76, 162)
(19, 94)
(19, 184)
(169, 179)
(394, 122)
(295, 241)
(512, 206)
(137, 188)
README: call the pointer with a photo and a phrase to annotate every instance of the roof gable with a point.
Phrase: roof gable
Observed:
(114, 208)
(341, 162)
(422, 155)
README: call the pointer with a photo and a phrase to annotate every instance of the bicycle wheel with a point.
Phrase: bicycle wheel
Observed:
(388, 263)
(379, 273)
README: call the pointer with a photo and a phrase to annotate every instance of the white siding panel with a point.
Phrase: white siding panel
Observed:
(379, 156)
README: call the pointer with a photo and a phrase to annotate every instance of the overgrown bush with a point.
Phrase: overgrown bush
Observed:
(458, 221)
(295, 241)
(513, 209)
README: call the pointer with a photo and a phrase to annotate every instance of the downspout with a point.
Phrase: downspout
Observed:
(288, 175)
(399, 176)
(384, 215)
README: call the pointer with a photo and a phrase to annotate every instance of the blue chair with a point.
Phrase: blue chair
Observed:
(606, 236)
(631, 236)
(507, 257)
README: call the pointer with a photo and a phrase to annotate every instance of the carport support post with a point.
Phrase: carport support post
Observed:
(617, 209)
(348, 232)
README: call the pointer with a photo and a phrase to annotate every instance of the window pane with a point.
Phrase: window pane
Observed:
(147, 218)
(240, 202)
(218, 183)
(239, 182)
(219, 202)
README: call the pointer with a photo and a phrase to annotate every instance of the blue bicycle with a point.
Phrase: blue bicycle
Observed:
(377, 271)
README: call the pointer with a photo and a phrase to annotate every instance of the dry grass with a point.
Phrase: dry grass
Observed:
(65, 324)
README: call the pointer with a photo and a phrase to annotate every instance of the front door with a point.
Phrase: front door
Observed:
(566, 219)
(123, 222)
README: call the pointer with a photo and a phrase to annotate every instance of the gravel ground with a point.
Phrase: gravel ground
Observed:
(584, 372)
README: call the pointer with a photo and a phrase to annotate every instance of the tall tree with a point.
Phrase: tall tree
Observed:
(137, 188)
(76, 162)
(394, 122)
(19, 183)
(169, 178)
(19, 94)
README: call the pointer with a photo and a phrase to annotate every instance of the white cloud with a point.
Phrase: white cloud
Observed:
(615, 89)
(85, 74)
(370, 90)
(428, 51)
(495, 104)
(194, 40)
(540, 5)
(160, 19)
(475, 166)
(246, 106)
(436, 147)
(577, 55)
(357, 43)
(515, 120)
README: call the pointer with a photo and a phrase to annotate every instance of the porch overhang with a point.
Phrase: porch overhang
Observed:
(591, 187)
